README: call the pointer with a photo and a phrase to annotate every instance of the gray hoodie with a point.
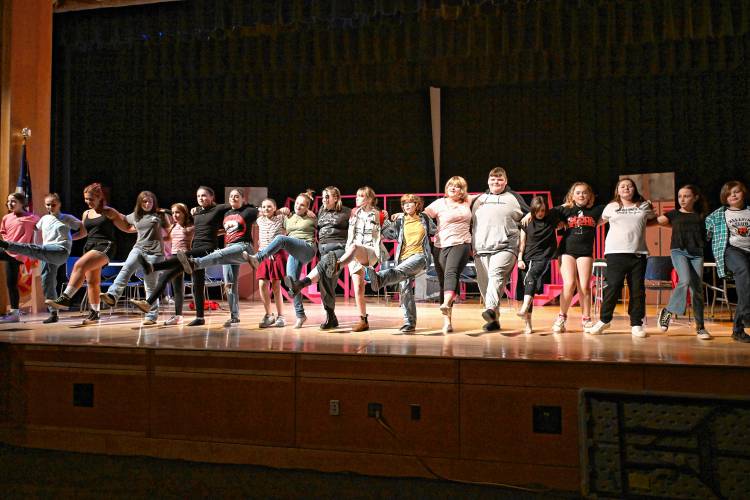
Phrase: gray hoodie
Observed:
(494, 222)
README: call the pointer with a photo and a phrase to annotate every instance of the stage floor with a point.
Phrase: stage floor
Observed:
(678, 346)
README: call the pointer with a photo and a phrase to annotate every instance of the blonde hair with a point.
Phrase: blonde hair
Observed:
(413, 198)
(369, 194)
(309, 195)
(569, 202)
(334, 191)
(460, 183)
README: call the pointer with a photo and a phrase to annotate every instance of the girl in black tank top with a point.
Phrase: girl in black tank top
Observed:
(99, 223)
(101, 235)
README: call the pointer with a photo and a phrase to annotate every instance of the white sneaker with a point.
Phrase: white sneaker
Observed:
(586, 323)
(527, 329)
(598, 328)
(280, 322)
(268, 321)
(703, 334)
(559, 325)
(638, 331)
(175, 319)
(12, 317)
(300, 322)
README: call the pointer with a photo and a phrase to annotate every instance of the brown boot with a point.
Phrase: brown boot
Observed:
(362, 325)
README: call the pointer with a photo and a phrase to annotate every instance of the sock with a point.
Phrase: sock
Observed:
(95, 307)
(70, 290)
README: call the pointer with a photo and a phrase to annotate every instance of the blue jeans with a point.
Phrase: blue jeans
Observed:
(404, 274)
(300, 253)
(738, 262)
(129, 268)
(52, 256)
(229, 255)
(231, 277)
(690, 270)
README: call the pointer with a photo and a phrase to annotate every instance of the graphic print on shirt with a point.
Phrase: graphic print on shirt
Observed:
(579, 221)
(234, 228)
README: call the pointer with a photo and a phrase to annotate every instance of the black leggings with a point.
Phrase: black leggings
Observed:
(622, 267)
(449, 264)
(533, 276)
(171, 269)
(11, 279)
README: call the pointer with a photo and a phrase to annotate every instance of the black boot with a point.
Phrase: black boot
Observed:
(331, 320)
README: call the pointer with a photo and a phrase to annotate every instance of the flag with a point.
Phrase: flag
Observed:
(24, 178)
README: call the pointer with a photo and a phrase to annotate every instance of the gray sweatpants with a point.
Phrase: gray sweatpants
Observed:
(493, 272)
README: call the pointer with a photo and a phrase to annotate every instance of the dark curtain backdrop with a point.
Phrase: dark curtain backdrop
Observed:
(298, 93)
(554, 133)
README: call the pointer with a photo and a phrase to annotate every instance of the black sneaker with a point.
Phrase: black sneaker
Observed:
(294, 286)
(108, 299)
(331, 264)
(489, 315)
(741, 336)
(197, 322)
(92, 318)
(664, 318)
(407, 328)
(331, 321)
(230, 322)
(62, 302)
(52, 318)
(491, 326)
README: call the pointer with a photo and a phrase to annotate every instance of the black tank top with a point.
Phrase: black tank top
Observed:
(100, 229)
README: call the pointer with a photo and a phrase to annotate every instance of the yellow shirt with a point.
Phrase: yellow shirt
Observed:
(413, 237)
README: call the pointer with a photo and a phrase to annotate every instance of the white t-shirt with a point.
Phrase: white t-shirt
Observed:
(627, 228)
(56, 229)
(738, 225)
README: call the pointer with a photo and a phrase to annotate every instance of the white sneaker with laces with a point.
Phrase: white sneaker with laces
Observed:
(175, 319)
(638, 331)
(267, 321)
(559, 325)
(300, 321)
(598, 328)
(280, 322)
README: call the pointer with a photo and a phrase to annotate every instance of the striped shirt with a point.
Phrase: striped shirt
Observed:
(269, 228)
(182, 238)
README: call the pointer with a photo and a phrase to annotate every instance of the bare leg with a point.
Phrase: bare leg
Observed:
(358, 280)
(277, 297)
(93, 279)
(569, 273)
(584, 266)
(265, 295)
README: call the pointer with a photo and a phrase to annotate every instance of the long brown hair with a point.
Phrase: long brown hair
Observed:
(186, 215)
(637, 198)
(701, 205)
(138, 210)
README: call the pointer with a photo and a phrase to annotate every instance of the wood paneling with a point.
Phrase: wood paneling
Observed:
(434, 434)
(378, 368)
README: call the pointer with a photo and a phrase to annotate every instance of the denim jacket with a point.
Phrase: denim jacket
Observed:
(395, 231)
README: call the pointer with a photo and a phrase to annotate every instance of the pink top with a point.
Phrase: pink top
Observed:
(182, 238)
(19, 229)
(453, 222)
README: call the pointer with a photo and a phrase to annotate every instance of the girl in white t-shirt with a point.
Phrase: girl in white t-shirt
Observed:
(625, 252)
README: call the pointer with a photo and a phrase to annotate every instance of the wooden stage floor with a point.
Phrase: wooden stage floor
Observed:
(678, 346)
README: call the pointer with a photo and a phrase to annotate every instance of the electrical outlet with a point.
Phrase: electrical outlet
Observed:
(374, 410)
(416, 411)
(334, 408)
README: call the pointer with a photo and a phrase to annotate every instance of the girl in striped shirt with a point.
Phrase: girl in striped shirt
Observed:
(272, 270)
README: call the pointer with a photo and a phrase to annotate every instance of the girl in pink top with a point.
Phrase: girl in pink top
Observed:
(180, 234)
(452, 244)
(18, 226)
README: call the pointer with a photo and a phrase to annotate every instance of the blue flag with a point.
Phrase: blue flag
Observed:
(24, 178)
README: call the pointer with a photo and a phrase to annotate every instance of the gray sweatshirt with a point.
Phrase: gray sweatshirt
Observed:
(495, 220)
